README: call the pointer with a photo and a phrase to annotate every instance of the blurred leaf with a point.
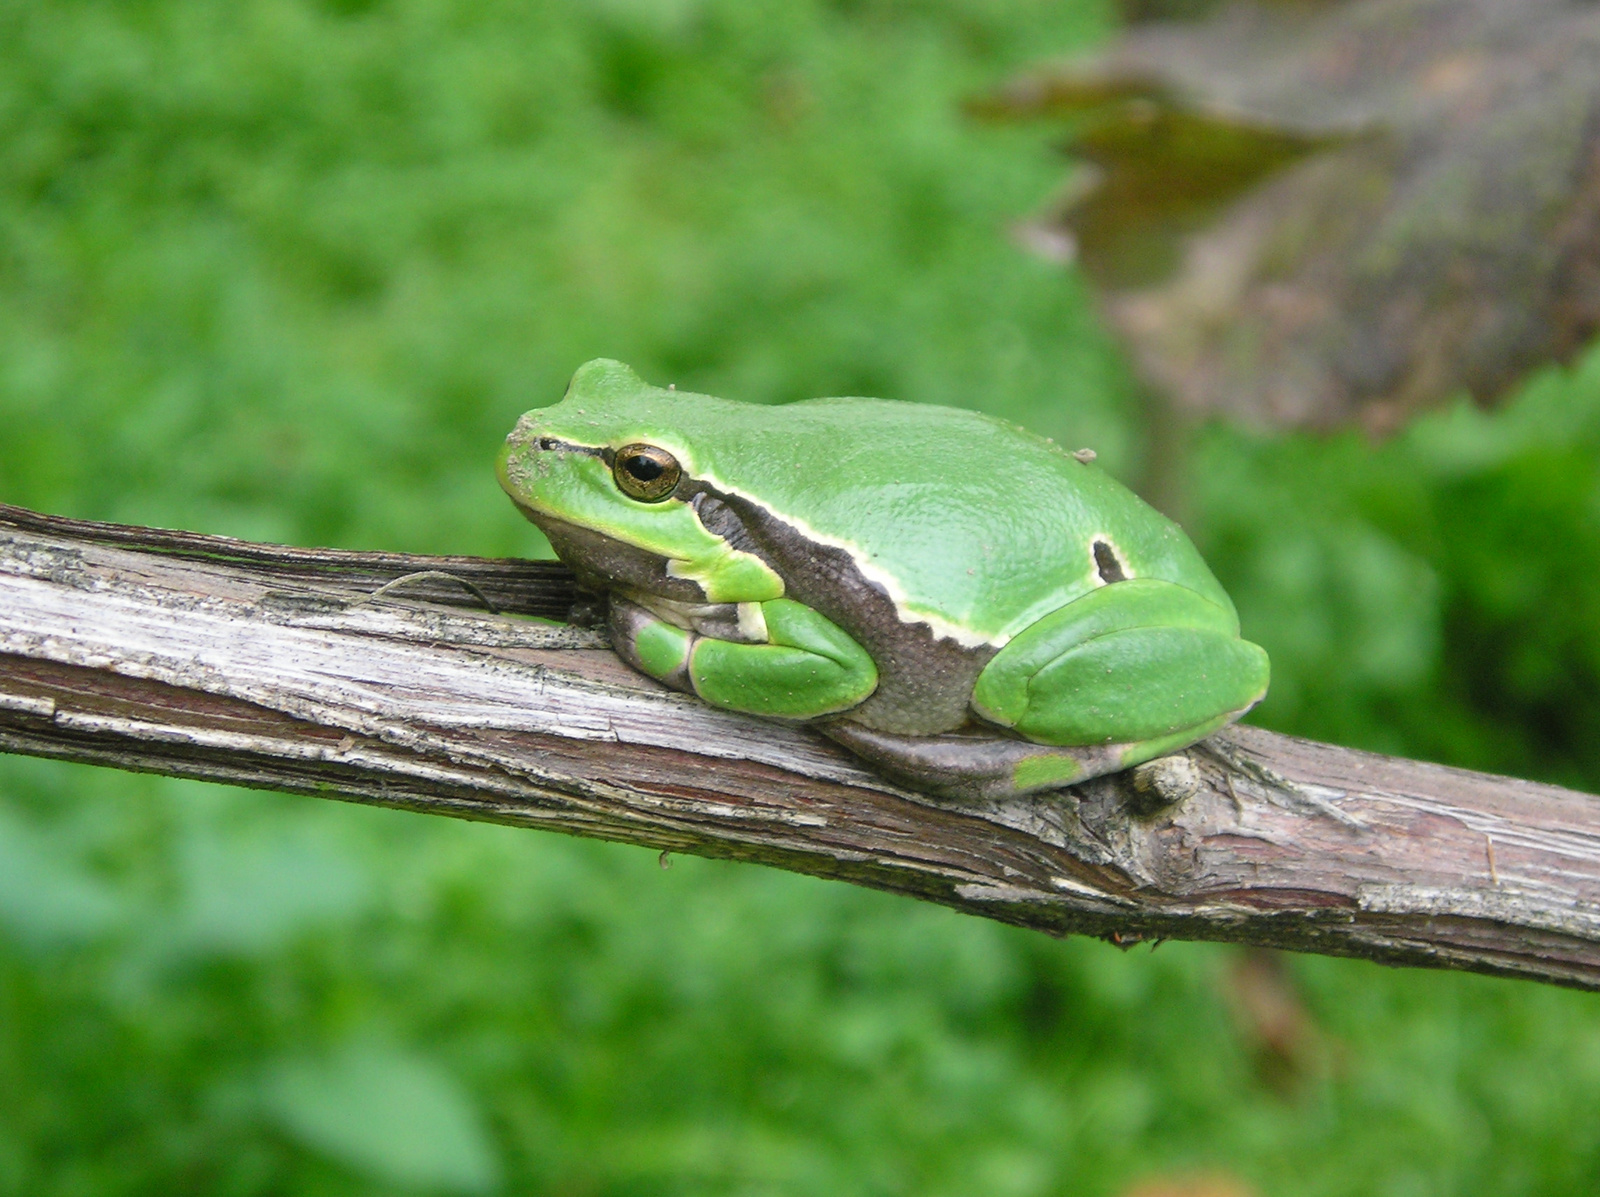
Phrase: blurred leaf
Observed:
(1308, 214)
(1271, 1015)
(47, 898)
(1158, 172)
(249, 888)
(1211, 1184)
(396, 1116)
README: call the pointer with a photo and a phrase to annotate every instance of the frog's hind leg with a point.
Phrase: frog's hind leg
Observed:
(1124, 674)
(1127, 673)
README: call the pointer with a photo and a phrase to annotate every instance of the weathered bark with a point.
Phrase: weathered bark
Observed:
(272, 667)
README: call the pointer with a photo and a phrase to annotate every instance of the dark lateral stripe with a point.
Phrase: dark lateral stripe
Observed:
(550, 444)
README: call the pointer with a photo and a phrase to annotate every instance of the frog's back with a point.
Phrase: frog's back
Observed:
(969, 522)
(981, 524)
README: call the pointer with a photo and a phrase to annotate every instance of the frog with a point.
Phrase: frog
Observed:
(972, 611)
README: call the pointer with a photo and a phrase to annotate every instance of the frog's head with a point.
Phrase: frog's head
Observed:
(608, 474)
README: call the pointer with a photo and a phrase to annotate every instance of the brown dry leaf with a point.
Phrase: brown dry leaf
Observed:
(1212, 1184)
(1288, 1046)
(1303, 214)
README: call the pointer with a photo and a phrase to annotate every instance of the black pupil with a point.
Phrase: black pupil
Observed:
(645, 469)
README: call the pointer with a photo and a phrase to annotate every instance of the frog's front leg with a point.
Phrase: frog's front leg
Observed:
(778, 658)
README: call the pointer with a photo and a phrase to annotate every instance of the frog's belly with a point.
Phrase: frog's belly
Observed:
(924, 683)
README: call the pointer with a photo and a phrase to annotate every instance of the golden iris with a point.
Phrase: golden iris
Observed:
(645, 472)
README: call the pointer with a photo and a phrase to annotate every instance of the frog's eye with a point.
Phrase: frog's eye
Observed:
(645, 472)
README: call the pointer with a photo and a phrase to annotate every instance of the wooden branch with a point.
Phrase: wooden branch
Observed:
(275, 667)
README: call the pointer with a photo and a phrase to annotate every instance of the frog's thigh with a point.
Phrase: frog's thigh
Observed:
(1145, 664)
(809, 666)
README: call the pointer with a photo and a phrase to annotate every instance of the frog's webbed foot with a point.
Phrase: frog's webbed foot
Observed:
(984, 765)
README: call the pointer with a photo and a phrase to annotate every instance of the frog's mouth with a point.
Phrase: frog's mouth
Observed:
(603, 563)
(644, 578)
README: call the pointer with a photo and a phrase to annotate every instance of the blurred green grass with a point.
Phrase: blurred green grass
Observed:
(290, 270)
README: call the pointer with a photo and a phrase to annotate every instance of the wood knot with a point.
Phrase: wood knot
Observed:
(1162, 783)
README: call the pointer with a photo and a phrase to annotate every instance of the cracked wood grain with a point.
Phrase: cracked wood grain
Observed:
(281, 668)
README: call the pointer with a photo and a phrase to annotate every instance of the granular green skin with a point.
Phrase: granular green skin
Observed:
(970, 521)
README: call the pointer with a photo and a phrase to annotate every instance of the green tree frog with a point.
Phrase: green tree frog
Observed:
(967, 607)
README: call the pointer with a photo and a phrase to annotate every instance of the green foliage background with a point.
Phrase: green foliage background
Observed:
(289, 270)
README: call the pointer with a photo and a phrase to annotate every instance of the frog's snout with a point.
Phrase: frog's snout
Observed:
(515, 461)
(502, 466)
